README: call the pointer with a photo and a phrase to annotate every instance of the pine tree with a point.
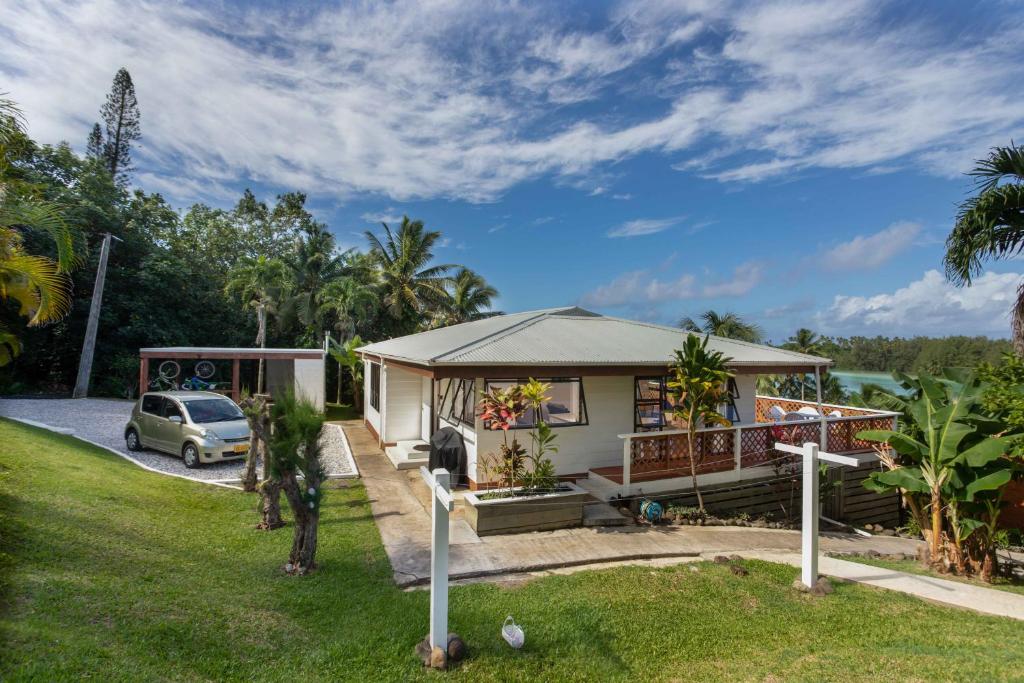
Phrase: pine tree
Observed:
(121, 114)
(94, 147)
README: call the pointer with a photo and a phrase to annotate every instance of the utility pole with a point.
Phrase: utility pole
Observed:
(89, 345)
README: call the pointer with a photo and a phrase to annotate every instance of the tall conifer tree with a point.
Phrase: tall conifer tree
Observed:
(121, 115)
(94, 147)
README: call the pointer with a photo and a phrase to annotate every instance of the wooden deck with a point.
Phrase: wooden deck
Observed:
(614, 473)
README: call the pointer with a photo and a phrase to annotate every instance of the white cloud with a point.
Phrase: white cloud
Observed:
(644, 287)
(930, 306)
(644, 226)
(388, 215)
(459, 99)
(865, 252)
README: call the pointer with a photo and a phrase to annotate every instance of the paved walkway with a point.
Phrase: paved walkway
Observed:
(101, 421)
(399, 505)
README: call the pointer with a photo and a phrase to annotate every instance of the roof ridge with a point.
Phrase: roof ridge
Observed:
(505, 331)
(715, 336)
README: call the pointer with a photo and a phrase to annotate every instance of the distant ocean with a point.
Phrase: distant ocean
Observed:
(853, 380)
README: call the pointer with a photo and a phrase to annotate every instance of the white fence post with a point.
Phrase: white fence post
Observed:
(809, 528)
(627, 461)
(440, 486)
(737, 447)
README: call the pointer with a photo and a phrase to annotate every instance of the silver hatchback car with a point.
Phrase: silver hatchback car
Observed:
(200, 426)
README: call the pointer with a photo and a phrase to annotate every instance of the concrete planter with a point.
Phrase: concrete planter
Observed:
(514, 514)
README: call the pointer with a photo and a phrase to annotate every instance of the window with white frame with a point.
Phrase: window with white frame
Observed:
(458, 401)
(567, 407)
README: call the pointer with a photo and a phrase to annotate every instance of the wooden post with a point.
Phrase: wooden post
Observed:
(236, 389)
(737, 447)
(440, 485)
(809, 527)
(92, 324)
(143, 375)
(627, 461)
(810, 513)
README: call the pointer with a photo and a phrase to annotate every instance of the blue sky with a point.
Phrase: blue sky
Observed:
(797, 162)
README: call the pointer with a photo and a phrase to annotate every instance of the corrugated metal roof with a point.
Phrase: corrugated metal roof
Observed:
(566, 336)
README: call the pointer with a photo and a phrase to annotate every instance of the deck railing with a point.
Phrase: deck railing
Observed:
(733, 449)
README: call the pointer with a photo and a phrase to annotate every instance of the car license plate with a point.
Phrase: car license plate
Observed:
(242, 448)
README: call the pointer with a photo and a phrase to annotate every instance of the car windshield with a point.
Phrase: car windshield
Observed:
(213, 410)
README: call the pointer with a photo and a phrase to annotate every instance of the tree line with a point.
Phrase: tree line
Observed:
(258, 272)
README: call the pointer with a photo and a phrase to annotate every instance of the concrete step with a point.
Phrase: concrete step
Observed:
(603, 514)
(599, 487)
(407, 455)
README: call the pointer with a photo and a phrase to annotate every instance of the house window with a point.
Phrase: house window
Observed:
(567, 407)
(375, 386)
(458, 401)
(651, 408)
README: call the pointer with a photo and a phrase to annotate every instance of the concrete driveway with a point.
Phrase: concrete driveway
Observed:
(102, 421)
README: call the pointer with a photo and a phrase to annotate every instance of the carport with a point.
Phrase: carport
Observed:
(301, 370)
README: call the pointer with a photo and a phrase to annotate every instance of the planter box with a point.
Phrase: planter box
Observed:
(514, 514)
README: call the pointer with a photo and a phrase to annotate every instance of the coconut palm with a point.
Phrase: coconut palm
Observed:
(409, 284)
(39, 284)
(259, 283)
(804, 341)
(990, 225)
(350, 300)
(468, 299)
(729, 325)
(314, 262)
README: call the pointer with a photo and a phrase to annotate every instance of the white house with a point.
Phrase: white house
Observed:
(608, 398)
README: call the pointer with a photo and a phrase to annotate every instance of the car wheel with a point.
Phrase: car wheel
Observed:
(131, 439)
(191, 455)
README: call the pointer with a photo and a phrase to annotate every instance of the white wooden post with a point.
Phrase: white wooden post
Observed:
(439, 484)
(809, 527)
(809, 524)
(737, 447)
(627, 461)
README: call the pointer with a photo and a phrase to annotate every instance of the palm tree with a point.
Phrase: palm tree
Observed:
(729, 325)
(990, 225)
(469, 298)
(345, 356)
(39, 284)
(312, 265)
(409, 284)
(350, 300)
(259, 283)
(804, 341)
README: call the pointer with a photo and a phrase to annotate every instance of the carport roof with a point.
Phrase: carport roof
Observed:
(568, 336)
(225, 352)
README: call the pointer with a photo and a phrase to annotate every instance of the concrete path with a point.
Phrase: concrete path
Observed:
(401, 515)
(933, 589)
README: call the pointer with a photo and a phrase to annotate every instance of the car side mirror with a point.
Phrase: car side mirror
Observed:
(176, 419)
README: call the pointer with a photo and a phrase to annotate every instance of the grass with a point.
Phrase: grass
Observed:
(116, 574)
(915, 567)
(341, 411)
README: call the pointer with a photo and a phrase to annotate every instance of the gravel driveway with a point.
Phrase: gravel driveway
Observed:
(102, 420)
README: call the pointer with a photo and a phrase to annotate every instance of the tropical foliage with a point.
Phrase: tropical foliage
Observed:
(728, 325)
(698, 382)
(513, 467)
(295, 450)
(951, 462)
(38, 284)
(990, 225)
(258, 271)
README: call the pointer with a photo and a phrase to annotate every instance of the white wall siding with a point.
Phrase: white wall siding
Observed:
(401, 402)
(747, 386)
(310, 380)
(597, 444)
(425, 426)
(371, 415)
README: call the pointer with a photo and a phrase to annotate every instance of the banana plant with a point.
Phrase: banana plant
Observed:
(950, 455)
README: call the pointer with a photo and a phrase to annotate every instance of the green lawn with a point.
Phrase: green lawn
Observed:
(114, 573)
(341, 411)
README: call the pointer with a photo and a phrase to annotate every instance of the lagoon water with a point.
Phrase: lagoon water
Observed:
(852, 380)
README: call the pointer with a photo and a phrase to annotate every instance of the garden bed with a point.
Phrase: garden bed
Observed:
(515, 513)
